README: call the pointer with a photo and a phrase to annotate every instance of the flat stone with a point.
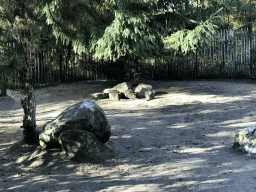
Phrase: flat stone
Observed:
(100, 95)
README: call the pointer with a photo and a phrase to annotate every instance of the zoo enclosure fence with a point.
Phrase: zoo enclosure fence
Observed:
(230, 54)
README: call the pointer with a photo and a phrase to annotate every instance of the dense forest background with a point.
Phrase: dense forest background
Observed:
(58, 41)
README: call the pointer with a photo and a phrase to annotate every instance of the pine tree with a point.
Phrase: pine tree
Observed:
(198, 23)
(9, 58)
(134, 34)
(24, 31)
(130, 34)
(243, 15)
(109, 30)
(117, 30)
(75, 21)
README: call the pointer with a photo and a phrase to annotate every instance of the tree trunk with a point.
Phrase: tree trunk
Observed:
(121, 69)
(4, 87)
(3, 91)
(136, 60)
(28, 103)
(60, 67)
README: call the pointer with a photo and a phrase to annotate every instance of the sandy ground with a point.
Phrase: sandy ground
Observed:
(180, 141)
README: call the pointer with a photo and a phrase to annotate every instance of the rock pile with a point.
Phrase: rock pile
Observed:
(126, 90)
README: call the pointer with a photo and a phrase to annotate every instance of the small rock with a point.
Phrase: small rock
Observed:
(100, 95)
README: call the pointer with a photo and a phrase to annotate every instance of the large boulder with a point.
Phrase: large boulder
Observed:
(141, 89)
(83, 146)
(246, 140)
(85, 115)
(122, 87)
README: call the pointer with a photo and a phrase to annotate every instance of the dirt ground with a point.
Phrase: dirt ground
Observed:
(180, 141)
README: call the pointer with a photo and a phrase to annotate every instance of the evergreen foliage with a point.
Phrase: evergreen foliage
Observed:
(10, 60)
(112, 29)
(243, 15)
(185, 40)
(116, 29)
(24, 31)
(197, 26)
(130, 33)
(20, 35)
(76, 21)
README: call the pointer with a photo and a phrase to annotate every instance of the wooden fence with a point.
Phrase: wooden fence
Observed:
(230, 54)
(49, 68)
